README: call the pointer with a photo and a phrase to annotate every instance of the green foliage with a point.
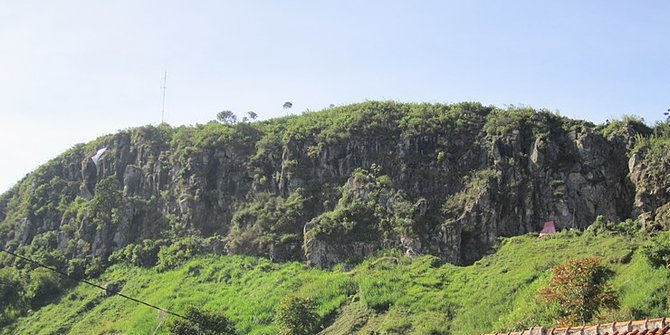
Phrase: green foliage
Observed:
(202, 322)
(626, 128)
(503, 121)
(369, 207)
(654, 149)
(657, 249)
(226, 117)
(296, 316)
(267, 225)
(652, 157)
(380, 292)
(269, 177)
(541, 123)
(475, 184)
(10, 286)
(105, 206)
(580, 289)
(497, 293)
(11, 301)
(143, 254)
(94, 267)
(661, 219)
(42, 285)
(178, 252)
(76, 268)
(627, 227)
(49, 257)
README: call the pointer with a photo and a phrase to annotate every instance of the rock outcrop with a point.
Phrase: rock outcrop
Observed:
(338, 185)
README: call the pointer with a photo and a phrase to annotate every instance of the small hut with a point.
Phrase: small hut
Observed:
(548, 229)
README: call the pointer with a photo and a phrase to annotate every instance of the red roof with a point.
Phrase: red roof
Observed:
(642, 327)
(549, 228)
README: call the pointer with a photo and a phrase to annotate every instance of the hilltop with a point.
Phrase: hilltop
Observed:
(331, 189)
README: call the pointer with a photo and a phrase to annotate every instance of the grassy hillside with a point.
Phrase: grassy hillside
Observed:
(384, 295)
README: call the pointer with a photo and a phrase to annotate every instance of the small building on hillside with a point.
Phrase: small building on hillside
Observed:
(548, 229)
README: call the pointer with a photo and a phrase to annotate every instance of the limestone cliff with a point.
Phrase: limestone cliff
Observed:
(335, 186)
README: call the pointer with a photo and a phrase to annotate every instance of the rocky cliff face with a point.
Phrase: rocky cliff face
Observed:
(336, 186)
(649, 166)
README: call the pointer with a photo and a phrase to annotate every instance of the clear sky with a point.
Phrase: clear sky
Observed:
(73, 70)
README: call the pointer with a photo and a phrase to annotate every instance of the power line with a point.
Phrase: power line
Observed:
(114, 292)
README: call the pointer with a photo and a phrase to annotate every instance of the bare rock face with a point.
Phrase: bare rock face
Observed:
(132, 179)
(323, 253)
(648, 172)
(569, 178)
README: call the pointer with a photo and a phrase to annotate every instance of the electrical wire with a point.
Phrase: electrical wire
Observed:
(109, 291)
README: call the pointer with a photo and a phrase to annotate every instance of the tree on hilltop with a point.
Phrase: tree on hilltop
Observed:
(226, 116)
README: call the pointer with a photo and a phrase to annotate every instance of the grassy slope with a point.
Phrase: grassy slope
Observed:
(388, 295)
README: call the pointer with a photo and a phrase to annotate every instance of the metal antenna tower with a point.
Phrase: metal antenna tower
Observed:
(163, 88)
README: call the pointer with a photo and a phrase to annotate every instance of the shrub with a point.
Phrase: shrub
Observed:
(179, 252)
(657, 249)
(296, 316)
(628, 227)
(142, 254)
(76, 268)
(202, 322)
(107, 201)
(579, 287)
(42, 285)
(10, 295)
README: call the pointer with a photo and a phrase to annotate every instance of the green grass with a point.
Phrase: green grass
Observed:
(387, 295)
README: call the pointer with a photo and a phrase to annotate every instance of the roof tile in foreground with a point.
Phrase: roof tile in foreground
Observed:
(643, 327)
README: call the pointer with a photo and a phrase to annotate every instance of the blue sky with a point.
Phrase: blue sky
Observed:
(74, 70)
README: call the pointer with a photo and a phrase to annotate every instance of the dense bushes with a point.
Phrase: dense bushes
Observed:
(105, 206)
(11, 300)
(271, 226)
(42, 284)
(628, 130)
(296, 316)
(143, 254)
(202, 322)
(397, 294)
(179, 252)
(369, 207)
(629, 227)
(657, 249)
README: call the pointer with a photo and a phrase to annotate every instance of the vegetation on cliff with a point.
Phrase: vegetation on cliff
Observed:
(426, 183)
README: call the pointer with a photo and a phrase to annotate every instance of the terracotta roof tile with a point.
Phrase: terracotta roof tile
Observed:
(642, 327)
